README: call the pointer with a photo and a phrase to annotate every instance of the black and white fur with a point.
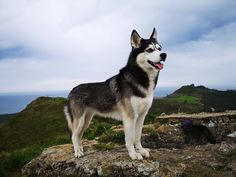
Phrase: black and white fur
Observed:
(126, 96)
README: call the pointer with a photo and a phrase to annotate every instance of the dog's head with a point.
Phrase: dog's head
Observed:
(148, 52)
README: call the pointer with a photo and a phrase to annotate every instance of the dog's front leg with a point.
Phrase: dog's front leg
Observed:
(138, 132)
(129, 128)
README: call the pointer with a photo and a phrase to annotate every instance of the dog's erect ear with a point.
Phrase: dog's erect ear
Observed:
(154, 35)
(135, 39)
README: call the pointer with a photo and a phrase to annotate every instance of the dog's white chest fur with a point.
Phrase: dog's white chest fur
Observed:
(141, 105)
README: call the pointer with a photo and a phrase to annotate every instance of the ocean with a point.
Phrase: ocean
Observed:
(16, 102)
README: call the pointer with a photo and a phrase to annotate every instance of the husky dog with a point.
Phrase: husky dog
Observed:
(126, 96)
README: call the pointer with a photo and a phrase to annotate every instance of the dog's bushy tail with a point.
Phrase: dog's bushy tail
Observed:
(69, 118)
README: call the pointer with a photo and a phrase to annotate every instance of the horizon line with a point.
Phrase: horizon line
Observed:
(156, 89)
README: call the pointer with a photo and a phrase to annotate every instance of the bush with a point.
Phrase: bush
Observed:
(112, 136)
(12, 162)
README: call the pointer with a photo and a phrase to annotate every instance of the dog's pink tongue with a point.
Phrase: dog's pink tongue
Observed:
(159, 65)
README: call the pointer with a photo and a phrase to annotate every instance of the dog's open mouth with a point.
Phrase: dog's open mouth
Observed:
(157, 65)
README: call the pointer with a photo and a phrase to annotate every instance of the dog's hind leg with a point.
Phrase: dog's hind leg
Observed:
(138, 132)
(81, 123)
(77, 128)
(87, 119)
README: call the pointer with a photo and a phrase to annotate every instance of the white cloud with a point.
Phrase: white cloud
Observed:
(209, 60)
(77, 41)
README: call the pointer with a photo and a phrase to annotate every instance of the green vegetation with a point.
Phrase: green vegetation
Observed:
(200, 170)
(112, 136)
(209, 98)
(152, 132)
(42, 121)
(11, 162)
(229, 156)
(42, 124)
(104, 146)
(188, 99)
(4, 117)
(98, 126)
(170, 105)
(226, 159)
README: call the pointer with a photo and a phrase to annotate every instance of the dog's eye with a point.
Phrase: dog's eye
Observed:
(159, 48)
(149, 50)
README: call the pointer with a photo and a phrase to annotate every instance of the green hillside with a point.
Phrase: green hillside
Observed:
(208, 98)
(4, 117)
(40, 122)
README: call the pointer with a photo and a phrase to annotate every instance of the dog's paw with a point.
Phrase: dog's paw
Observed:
(135, 156)
(144, 152)
(78, 153)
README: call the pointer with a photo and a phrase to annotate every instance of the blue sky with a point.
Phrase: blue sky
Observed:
(58, 44)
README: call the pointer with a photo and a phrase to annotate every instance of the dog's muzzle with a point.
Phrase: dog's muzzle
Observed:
(159, 65)
(163, 56)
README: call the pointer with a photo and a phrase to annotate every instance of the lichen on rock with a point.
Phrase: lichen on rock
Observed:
(60, 161)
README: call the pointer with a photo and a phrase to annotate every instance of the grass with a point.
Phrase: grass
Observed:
(174, 104)
(4, 117)
(104, 146)
(210, 98)
(188, 99)
(229, 156)
(199, 170)
(12, 162)
(226, 159)
(41, 121)
(42, 124)
(97, 127)
(112, 136)
(26, 134)
(152, 132)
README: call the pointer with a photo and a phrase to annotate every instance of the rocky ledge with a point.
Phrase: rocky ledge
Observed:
(215, 160)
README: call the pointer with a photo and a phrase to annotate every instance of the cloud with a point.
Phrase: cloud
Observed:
(54, 45)
(209, 61)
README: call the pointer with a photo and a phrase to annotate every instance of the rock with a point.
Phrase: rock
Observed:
(232, 135)
(162, 136)
(211, 124)
(163, 114)
(59, 161)
(226, 147)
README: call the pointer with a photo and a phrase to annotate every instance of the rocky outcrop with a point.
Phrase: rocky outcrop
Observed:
(170, 155)
(204, 115)
(220, 124)
(204, 160)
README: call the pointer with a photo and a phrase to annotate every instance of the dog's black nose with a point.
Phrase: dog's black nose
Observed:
(163, 56)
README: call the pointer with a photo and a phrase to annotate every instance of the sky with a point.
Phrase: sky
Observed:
(58, 44)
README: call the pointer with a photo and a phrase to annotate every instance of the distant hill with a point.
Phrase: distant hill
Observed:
(211, 99)
(4, 117)
(41, 121)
